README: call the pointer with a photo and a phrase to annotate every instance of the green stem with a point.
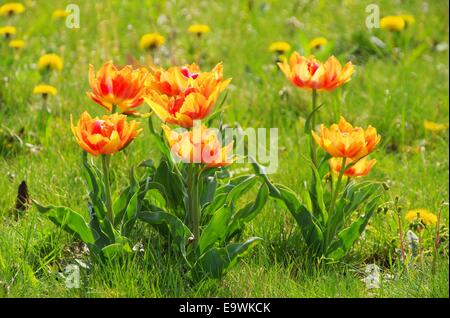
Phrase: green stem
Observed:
(400, 233)
(194, 211)
(338, 187)
(109, 210)
(313, 125)
(436, 243)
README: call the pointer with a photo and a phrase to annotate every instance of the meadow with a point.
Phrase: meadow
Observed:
(400, 86)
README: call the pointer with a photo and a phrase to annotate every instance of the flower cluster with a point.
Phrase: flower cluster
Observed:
(181, 95)
(342, 140)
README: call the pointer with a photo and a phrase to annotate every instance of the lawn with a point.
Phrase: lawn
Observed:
(401, 79)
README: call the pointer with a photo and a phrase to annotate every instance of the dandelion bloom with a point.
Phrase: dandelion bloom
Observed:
(44, 90)
(121, 88)
(361, 168)
(309, 73)
(180, 95)
(58, 14)
(280, 47)
(200, 145)
(421, 215)
(106, 135)
(7, 31)
(199, 29)
(409, 19)
(50, 62)
(344, 140)
(317, 43)
(12, 8)
(151, 41)
(17, 44)
(434, 127)
(392, 23)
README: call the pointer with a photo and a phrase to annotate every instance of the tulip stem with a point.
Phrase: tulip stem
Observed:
(108, 201)
(313, 125)
(194, 211)
(338, 186)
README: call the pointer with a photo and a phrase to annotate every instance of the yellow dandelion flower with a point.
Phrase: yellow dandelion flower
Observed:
(57, 14)
(421, 215)
(44, 90)
(409, 19)
(392, 23)
(280, 47)
(317, 43)
(434, 127)
(7, 31)
(17, 44)
(12, 8)
(199, 29)
(50, 62)
(151, 41)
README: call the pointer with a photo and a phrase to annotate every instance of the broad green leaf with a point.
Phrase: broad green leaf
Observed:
(101, 239)
(95, 186)
(169, 226)
(215, 262)
(131, 213)
(225, 195)
(347, 237)
(172, 183)
(248, 212)
(311, 231)
(68, 220)
(216, 228)
(317, 195)
(208, 190)
(116, 249)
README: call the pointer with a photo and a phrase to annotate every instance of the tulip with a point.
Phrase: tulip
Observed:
(106, 135)
(344, 140)
(200, 145)
(113, 88)
(181, 95)
(359, 169)
(309, 73)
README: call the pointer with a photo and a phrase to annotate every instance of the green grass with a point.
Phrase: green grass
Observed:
(394, 93)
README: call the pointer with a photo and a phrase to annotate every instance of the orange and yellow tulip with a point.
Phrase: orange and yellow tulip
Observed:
(121, 88)
(344, 140)
(310, 73)
(200, 145)
(361, 168)
(106, 135)
(180, 95)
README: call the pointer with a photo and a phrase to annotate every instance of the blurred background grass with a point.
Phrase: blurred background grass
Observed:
(395, 91)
